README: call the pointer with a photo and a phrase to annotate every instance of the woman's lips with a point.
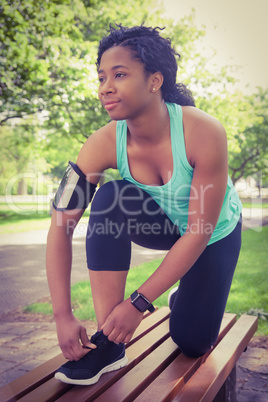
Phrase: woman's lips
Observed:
(110, 105)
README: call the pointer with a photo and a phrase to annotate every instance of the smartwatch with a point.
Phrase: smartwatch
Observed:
(141, 303)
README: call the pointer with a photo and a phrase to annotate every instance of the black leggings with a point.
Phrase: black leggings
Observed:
(121, 213)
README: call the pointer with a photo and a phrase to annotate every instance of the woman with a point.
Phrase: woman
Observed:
(176, 195)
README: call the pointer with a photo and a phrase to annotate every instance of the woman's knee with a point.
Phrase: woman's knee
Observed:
(105, 199)
(193, 342)
(117, 195)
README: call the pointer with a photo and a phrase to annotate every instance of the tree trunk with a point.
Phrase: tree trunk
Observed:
(22, 187)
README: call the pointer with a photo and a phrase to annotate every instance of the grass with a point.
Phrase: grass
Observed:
(43, 308)
(255, 205)
(249, 288)
(248, 292)
(11, 222)
(28, 217)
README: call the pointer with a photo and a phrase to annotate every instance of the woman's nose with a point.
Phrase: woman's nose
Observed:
(107, 88)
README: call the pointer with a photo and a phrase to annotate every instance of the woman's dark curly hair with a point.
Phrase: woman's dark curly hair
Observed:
(155, 52)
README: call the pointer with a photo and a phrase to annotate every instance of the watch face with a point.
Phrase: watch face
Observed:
(141, 303)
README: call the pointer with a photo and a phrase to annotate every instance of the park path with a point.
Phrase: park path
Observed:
(22, 267)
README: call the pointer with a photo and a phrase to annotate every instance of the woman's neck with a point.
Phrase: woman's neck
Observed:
(151, 127)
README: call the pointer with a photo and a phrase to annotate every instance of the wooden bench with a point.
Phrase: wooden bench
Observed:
(156, 371)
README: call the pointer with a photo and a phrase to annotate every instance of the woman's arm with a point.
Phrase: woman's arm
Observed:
(59, 262)
(207, 145)
(95, 156)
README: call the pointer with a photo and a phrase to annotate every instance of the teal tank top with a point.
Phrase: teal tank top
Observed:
(173, 197)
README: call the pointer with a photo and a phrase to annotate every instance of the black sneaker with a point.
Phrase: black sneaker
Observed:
(171, 297)
(108, 356)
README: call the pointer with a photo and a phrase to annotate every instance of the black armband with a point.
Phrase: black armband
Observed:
(74, 191)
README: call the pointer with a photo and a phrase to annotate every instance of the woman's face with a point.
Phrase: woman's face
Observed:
(124, 89)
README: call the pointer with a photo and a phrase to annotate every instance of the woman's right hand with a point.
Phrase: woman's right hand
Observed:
(72, 336)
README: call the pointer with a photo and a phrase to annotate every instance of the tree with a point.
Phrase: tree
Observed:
(48, 50)
(48, 61)
(249, 155)
(20, 154)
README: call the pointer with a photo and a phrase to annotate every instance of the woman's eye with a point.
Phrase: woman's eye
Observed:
(101, 79)
(119, 75)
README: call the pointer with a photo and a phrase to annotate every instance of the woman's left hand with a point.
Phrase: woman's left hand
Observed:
(122, 322)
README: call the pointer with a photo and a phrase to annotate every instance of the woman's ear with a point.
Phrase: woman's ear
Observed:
(156, 81)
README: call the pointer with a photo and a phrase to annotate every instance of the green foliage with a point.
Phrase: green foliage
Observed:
(251, 154)
(245, 120)
(48, 57)
(47, 63)
(21, 156)
(24, 52)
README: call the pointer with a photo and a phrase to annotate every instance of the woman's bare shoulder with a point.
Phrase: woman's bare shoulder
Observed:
(99, 151)
(104, 134)
(197, 119)
(203, 133)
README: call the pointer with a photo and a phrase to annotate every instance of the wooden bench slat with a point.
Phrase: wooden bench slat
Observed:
(41, 374)
(156, 371)
(137, 379)
(31, 380)
(149, 322)
(173, 378)
(48, 391)
(205, 383)
(135, 353)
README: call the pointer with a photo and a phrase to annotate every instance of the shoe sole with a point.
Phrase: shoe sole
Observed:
(89, 381)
